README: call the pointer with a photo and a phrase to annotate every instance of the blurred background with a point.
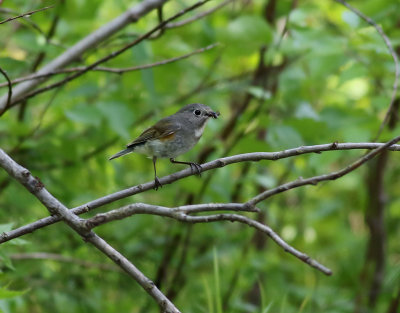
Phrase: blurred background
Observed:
(285, 74)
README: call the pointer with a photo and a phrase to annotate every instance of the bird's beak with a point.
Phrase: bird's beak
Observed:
(213, 114)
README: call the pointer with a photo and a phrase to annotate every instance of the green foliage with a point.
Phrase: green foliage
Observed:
(329, 79)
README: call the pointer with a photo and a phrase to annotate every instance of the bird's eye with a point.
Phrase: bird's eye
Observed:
(197, 112)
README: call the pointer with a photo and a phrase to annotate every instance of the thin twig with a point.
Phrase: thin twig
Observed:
(111, 69)
(40, 57)
(160, 15)
(9, 84)
(182, 215)
(247, 157)
(144, 208)
(75, 52)
(54, 206)
(393, 54)
(316, 179)
(26, 14)
(198, 16)
(286, 25)
(110, 56)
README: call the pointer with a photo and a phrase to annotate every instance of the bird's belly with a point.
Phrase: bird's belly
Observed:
(164, 148)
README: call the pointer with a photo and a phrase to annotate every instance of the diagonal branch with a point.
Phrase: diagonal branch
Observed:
(108, 57)
(144, 208)
(316, 179)
(111, 69)
(9, 84)
(26, 14)
(247, 157)
(199, 16)
(54, 206)
(181, 214)
(393, 54)
(131, 15)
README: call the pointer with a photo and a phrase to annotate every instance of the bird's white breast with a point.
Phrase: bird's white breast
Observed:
(199, 131)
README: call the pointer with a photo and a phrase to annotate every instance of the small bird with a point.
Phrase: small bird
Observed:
(172, 136)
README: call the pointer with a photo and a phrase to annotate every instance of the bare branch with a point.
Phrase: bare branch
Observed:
(316, 179)
(146, 283)
(131, 15)
(26, 14)
(182, 215)
(9, 84)
(108, 57)
(247, 157)
(144, 208)
(36, 187)
(260, 227)
(111, 69)
(198, 16)
(393, 54)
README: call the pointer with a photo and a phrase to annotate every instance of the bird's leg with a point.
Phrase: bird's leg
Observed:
(156, 181)
(192, 165)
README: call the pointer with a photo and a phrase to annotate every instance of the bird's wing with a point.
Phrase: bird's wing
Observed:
(163, 129)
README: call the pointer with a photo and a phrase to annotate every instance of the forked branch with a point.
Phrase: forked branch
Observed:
(246, 157)
(182, 214)
(55, 207)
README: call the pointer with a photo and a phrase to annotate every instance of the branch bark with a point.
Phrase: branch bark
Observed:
(198, 16)
(106, 58)
(247, 157)
(316, 179)
(131, 15)
(181, 214)
(392, 53)
(36, 187)
(26, 14)
(10, 90)
(111, 69)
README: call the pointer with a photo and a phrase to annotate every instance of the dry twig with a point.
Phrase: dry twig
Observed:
(246, 157)
(26, 14)
(108, 57)
(393, 54)
(73, 53)
(198, 16)
(182, 214)
(55, 207)
(9, 84)
(112, 69)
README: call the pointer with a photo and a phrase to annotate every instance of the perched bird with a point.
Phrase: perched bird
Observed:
(172, 136)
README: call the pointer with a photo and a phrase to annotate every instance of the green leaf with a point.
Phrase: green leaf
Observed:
(143, 55)
(7, 262)
(259, 93)
(85, 114)
(305, 110)
(351, 19)
(7, 294)
(6, 227)
(284, 137)
(118, 117)
(246, 33)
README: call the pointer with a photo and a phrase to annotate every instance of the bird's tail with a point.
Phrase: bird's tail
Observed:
(121, 153)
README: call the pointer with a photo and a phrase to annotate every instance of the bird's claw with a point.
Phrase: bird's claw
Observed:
(157, 183)
(197, 168)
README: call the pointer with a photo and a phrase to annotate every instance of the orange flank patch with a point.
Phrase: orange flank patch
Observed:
(168, 137)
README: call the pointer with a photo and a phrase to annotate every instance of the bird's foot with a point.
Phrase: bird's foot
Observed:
(197, 168)
(157, 183)
(194, 167)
